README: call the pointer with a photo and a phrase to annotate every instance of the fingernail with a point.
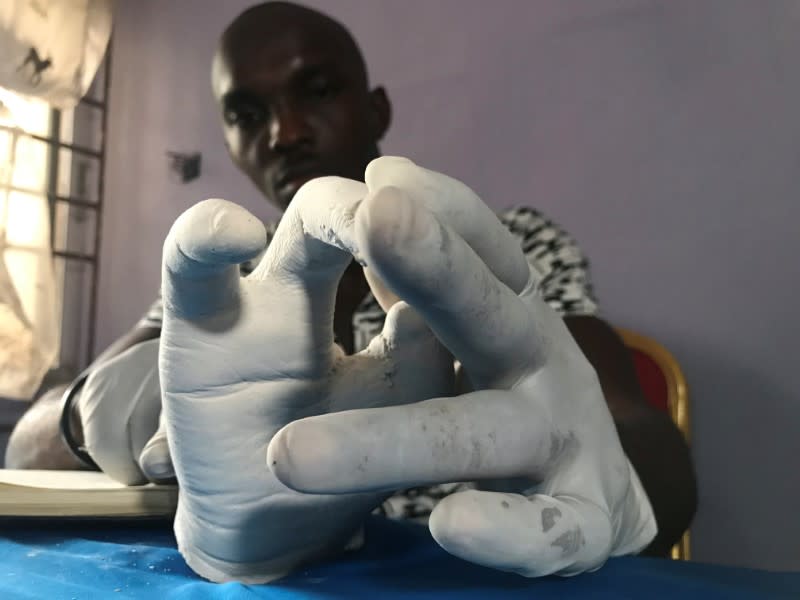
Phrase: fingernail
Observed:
(159, 470)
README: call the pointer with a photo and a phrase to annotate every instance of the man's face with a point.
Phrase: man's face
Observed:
(294, 108)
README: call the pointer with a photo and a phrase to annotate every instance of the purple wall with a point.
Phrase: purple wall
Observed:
(664, 135)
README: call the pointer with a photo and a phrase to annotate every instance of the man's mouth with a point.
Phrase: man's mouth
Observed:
(296, 175)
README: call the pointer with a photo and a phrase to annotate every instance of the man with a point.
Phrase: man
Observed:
(296, 105)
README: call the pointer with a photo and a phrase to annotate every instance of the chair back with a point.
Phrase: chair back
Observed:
(664, 385)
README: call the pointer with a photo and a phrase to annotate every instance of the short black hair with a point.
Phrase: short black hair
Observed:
(263, 18)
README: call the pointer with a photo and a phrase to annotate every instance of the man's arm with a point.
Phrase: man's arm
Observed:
(654, 445)
(36, 441)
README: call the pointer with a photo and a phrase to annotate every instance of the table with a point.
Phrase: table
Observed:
(112, 560)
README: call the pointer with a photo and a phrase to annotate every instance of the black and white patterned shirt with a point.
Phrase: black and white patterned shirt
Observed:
(564, 284)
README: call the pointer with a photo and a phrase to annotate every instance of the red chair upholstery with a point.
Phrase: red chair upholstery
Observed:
(664, 385)
(652, 380)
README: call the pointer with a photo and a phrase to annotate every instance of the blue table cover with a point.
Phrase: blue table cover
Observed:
(58, 560)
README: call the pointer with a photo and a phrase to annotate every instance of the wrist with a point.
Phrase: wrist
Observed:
(70, 422)
(75, 423)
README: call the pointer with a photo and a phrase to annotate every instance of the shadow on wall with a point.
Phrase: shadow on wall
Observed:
(734, 406)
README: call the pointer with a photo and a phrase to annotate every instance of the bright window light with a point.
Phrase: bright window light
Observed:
(25, 225)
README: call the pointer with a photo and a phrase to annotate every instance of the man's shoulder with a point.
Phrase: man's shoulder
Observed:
(557, 258)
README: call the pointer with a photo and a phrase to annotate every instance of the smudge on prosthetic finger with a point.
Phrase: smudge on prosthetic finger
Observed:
(549, 517)
(570, 541)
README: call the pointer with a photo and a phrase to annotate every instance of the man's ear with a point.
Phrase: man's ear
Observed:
(381, 112)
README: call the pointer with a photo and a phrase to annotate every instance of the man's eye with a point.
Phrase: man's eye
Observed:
(321, 88)
(244, 116)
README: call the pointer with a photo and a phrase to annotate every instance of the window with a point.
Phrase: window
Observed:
(30, 325)
(51, 165)
(51, 172)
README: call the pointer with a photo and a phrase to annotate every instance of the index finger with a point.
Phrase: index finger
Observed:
(314, 241)
(202, 251)
(480, 319)
(458, 207)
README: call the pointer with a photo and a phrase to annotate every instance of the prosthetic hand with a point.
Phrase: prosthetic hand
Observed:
(242, 358)
(558, 493)
(119, 408)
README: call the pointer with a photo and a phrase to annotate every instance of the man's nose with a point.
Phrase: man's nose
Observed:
(288, 129)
